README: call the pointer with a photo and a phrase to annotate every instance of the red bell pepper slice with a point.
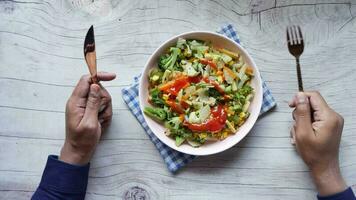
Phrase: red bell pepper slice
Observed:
(175, 107)
(174, 86)
(208, 62)
(215, 84)
(215, 124)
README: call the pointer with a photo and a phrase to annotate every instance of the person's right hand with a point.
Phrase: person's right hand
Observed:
(88, 113)
(316, 134)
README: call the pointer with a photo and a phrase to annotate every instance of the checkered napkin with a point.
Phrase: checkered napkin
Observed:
(174, 159)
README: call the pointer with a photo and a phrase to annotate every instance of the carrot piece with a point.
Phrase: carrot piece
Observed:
(249, 71)
(219, 72)
(230, 72)
(229, 53)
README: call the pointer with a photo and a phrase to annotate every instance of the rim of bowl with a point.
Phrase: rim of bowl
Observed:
(257, 75)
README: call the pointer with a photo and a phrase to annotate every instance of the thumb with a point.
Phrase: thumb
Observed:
(93, 105)
(303, 115)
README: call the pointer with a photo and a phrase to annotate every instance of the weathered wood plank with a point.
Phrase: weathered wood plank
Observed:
(41, 61)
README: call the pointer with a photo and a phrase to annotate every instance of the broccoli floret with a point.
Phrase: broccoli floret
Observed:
(242, 93)
(155, 97)
(181, 42)
(158, 114)
(179, 140)
(245, 90)
(198, 47)
(168, 61)
(182, 132)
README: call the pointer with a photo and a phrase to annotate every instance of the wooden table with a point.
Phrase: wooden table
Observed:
(41, 60)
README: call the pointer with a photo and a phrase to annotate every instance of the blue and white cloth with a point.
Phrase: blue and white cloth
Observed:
(174, 159)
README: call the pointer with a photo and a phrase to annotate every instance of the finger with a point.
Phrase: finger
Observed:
(303, 115)
(106, 76)
(106, 113)
(292, 103)
(93, 105)
(317, 102)
(82, 88)
(317, 116)
(105, 99)
(292, 135)
(106, 116)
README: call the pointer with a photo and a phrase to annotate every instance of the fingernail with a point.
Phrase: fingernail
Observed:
(301, 98)
(290, 102)
(95, 88)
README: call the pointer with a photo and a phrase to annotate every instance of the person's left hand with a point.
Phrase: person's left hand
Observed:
(88, 113)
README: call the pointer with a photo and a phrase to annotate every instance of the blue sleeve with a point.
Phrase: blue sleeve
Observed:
(61, 180)
(345, 195)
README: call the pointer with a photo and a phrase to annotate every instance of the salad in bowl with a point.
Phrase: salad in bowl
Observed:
(200, 92)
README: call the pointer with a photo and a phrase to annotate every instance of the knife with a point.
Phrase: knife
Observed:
(90, 54)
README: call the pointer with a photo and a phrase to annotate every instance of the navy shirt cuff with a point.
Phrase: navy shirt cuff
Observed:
(63, 177)
(345, 195)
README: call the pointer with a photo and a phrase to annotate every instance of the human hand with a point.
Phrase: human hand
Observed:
(316, 134)
(88, 113)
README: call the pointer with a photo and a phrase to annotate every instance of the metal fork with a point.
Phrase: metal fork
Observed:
(296, 47)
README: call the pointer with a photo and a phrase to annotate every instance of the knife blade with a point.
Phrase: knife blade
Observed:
(90, 54)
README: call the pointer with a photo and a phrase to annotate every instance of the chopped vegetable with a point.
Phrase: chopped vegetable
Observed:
(200, 93)
(155, 113)
(230, 53)
(168, 61)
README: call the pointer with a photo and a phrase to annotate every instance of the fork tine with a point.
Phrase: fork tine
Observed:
(290, 35)
(301, 35)
(288, 38)
(295, 36)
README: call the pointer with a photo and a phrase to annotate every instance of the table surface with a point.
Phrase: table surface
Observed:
(41, 60)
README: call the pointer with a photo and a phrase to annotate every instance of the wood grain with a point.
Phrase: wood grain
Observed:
(41, 61)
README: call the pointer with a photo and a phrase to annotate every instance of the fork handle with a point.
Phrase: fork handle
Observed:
(299, 74)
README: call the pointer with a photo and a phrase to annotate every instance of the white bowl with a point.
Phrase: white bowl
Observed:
(211, 147)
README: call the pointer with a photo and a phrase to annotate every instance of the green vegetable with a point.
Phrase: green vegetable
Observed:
(189, 69)
(155, 97)
(246, 106)
(234, 86)
(212, 56)
(212, 92)
(166, 75)
(155, 113)
(174, 123)
(237, 108)
(187, 52)
(198, 47)
(242, 81)
(179, 140)
(228, 89)
(169, 60)
(155, 75)
(225, 58)
(245, 90)
(170, 114)
(194, 88)
(230, 126)
(181, 42)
